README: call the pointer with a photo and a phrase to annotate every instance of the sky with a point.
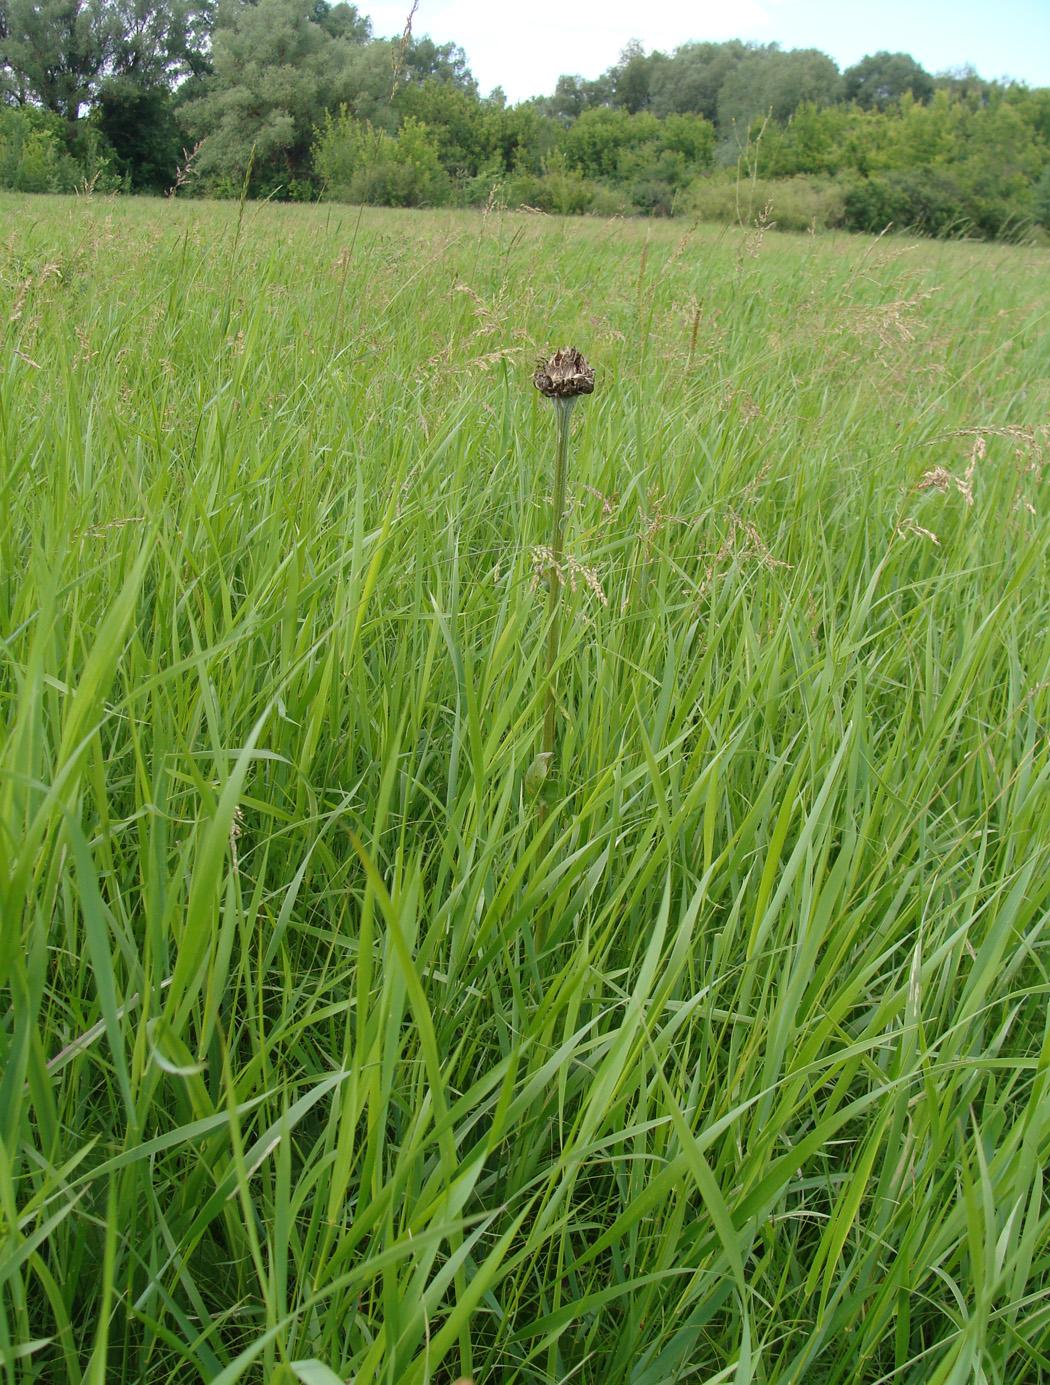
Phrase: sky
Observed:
(523, 46)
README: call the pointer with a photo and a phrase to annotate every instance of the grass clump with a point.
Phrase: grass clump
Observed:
(289, 1090)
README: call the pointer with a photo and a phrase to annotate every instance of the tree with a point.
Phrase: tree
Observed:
(54, 52)
(342, 21)
(690, 80)
(455, 120)
(881, 79)
(573, 95)
(771, 82)
(631, 79)
(277, 69)
(57, 53)
(425, 60)
(965, 84)
(139, 124)
(520, 137)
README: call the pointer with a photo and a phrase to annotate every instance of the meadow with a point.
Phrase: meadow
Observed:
(330, 1049)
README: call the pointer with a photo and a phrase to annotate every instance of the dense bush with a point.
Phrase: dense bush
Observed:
(929, 201)
(1041, 199)
(38, 154)
(33, 154)
(791, 204)
(359, 163)
(933, 202)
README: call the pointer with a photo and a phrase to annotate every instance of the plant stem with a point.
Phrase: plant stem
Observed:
(563, 408)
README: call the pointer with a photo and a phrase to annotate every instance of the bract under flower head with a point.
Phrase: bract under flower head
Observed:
(565, 376)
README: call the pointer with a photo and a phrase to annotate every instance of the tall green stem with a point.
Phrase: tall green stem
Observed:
(563, 408)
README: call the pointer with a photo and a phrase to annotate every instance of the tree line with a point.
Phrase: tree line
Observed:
(299, 99)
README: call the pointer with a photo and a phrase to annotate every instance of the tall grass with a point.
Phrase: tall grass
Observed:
(287, 1091)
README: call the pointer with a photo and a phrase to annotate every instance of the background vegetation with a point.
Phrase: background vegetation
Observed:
(296, 99)
(290, 1087)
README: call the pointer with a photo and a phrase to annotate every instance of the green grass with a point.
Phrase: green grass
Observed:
(288, 1091)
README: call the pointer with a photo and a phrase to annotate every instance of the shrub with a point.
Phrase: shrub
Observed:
(795, 204)
(930, 202)
(1041, 199)
(33, 155)
(359, 163)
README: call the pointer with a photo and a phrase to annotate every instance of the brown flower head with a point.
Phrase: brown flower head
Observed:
(565, 376)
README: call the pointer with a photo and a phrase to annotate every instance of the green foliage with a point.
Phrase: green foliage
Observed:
(426, 61)
(1041, 198)
(342, 21)
(359, 163)
(882, 79)
(631, 80)
(321, 1057)
(522, 138)
(593, 144)
(573, 95)
(33, 156)
(945, 168)
(815, 140)
(690, 81)
(54, 51)
(140, 126)
(927, 201)
(277, 69)
(59, 52)
(771, 82)
(457, 120)
(612, 144)
(36, 155)
(799, 203)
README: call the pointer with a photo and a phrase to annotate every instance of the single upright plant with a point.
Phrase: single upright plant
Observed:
(564, 378)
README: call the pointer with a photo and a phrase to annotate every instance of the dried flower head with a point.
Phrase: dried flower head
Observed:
(565, 376)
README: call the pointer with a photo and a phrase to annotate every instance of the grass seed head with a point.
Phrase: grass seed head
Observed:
(565, 376)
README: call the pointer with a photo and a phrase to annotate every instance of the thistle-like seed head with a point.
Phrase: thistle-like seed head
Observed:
(565, 376)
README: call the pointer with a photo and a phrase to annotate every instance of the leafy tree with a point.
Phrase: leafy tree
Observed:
(771, 82)
(593, 144)
(965, 84)
(425, 60)
(55, 52)
(139, 123)
(691, 79)
(277, 69)
(521, 138)
(1034, 106)
(816, 139)
(881, 79)
(692, 136)
(574, 94)
(631, 79)
(455, 119)
(342, 21)
(159, 41)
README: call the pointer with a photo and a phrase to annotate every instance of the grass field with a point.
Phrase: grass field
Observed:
(326, 1053)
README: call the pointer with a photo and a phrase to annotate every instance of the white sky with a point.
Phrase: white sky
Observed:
(523, 45)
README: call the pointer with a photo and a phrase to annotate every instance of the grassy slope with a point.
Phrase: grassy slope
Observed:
(284, 1074)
